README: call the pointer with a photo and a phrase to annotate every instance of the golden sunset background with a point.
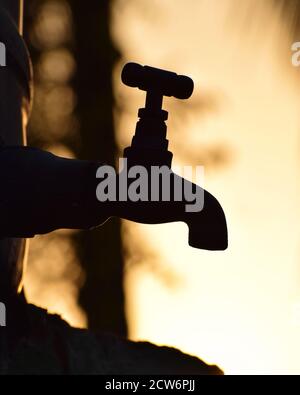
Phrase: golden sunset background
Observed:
(240, 308)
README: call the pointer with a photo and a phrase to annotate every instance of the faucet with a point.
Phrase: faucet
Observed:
(207, 227)
(41, 192)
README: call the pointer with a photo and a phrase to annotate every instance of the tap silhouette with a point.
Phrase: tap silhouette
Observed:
(207, 227)
(41, 192)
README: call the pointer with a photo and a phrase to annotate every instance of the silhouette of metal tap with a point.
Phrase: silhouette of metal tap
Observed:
(207, 228)
(41, 192)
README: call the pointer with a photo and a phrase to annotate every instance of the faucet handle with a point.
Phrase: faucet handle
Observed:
(150, 79)
(149, 144)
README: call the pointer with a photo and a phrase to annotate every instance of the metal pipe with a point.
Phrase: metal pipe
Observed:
(15, 10)
(14, 108)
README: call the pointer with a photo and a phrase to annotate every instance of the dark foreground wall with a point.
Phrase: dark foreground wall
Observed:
(35, 342)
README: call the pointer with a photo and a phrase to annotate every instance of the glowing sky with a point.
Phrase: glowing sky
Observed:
(239, 308)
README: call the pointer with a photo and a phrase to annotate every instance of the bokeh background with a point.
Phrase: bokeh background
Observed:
(239, 309)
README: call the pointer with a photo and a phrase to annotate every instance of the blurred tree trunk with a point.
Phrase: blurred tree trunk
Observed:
(99, 251)
(102, 295)
(291, 13)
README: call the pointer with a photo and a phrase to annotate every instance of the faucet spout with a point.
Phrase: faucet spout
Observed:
(207, 226)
